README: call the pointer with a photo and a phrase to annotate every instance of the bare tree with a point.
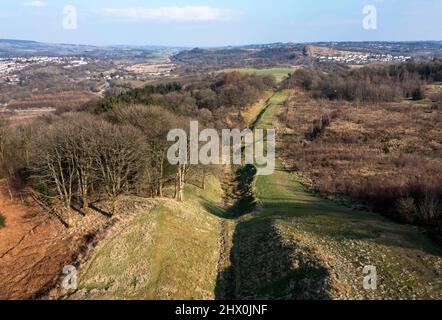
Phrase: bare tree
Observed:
(119, 158)
(53, 162)
(154, 122)
(83, 145)
(180, 181)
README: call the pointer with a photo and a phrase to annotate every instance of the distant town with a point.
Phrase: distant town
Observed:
(11, 67)
(363, 58)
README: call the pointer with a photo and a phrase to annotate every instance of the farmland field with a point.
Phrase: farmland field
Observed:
(278, 73)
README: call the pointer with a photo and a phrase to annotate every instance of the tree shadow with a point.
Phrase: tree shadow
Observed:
(266, 266)
(78, 210)
(100, 211)
(311, 209)
(216, 210)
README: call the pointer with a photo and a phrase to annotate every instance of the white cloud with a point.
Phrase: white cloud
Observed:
(187, 13)
(35, 3)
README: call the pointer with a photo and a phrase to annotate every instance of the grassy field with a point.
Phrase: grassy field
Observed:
(278, 73)
(169, 253)
(408, 263)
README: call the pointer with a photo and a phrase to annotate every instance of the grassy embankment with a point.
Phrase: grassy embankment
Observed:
(169, 253)
(325, 246)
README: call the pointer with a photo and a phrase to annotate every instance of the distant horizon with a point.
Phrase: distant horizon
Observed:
(219, 46)
(211, 24)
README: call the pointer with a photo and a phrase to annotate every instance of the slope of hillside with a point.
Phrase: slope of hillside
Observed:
(337, 241)
(170, 252)
(34, 247)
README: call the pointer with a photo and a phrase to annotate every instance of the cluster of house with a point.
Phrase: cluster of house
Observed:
(10, 67)
(363, 58)
(74, 63)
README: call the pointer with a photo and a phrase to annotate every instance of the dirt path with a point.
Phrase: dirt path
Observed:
(33, 249)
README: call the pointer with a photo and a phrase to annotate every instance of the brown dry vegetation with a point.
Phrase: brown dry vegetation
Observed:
(17, 116)
(387, 155)
(118, 145)
(35, 247)
(64, 100)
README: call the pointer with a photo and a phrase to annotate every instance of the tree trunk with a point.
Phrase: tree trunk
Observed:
(85, 204)
(181, 182)
(203, 183)
(176, 185)
(11, 197)
(114, 206)
(160, 182)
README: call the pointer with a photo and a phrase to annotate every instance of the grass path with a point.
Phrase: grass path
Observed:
(408, 264)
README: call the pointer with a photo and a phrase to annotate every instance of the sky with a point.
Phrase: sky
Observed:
(209, 23)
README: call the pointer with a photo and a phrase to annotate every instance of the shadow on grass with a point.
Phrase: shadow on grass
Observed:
(266, 266)
(347, 224)
(284, 197)
(100, 211)
(214, 209)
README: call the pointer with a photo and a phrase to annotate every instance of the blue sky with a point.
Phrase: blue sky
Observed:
(215, 23)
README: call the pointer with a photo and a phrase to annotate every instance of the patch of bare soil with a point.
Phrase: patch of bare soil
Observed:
(34, 248)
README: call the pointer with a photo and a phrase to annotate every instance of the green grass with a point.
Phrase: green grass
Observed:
(329, 225)
(170, 252)
(266, 119)
(278, 73)
(2, 221)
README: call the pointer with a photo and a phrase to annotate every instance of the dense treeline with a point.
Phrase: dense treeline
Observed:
(119, 145)
(374, 84)
(284, 55)
(225, 90)
(143, 95)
